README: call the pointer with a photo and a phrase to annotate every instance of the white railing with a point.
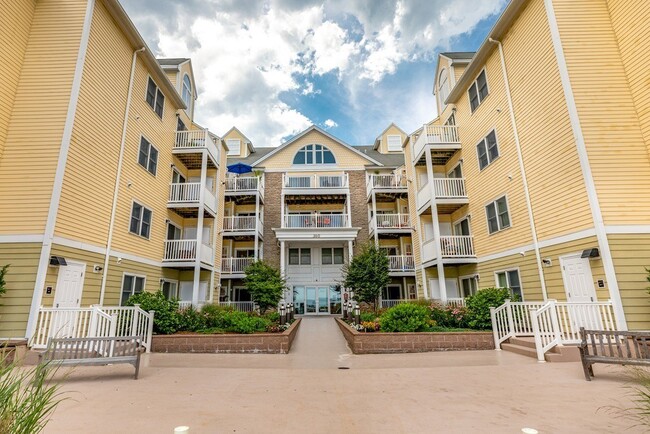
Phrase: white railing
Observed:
(315, 221)
(546, 329)
(386, 182)
(93, 321)
(457, 246)
(593, 316)
(391, 221)
(455, 301)
(239, 223)
(390, 303)
(428, 250)
(449, 188)
(184, 192)
(401, 263)
(196, 140)
(315, 181)
(248, 183)
(244, 306)
(235, 265)
(424, 195)
(180, 250)
(207, 254)
(512, 319)
(435, 134)
(210, 200)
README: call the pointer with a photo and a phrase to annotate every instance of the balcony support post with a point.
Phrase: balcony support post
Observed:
(282, 259)
(199, 230)
(257, 225)
(436, 230)
(349, 210)
(374, 217)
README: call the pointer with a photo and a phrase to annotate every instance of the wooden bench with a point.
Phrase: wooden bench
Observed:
(94, 351)
(613, 347)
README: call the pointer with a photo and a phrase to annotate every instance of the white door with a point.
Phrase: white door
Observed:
(69, 287)
(450, 284)
(579, 287)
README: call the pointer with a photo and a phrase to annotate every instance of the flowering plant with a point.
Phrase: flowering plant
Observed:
(370, 326)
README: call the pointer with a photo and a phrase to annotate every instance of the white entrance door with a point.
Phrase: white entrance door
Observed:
(579, 287)
(69, 287)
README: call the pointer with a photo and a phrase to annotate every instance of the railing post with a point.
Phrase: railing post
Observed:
(511, 321)
(149, 331)
(111, 333)
(134, 320)
(556, 323)
(537, 334)
(495, 328)
(92, 327)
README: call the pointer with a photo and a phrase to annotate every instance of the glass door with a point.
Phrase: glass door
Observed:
(322, 300)
(335, 299)
(299, 299)
(311, 301)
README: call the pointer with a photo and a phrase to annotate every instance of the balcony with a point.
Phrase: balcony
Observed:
(234, 266)
(401, 264)
(248, 185)
(314, 184)
(386, 184)
(318, 221)
(442, 140)
(449, 192)
(242, 225)
(185, 198)
(189, 147)
(391, 223)
(183, 253)
(453, 249)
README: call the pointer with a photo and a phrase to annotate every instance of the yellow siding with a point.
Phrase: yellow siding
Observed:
(15, 23)
(234, 134)
(606, 110)
(345, 158)
(41, 101)
(458, 71)
(383, 142)
(20, 278)
(85, 208)
(186, 68)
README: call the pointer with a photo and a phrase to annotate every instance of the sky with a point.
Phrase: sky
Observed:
(274, 67)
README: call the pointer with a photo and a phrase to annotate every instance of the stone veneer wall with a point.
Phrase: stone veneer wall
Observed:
(359, 208)
(382, 343)
(270, 343)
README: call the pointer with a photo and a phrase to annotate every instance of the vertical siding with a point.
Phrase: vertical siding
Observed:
(617, 152)
(40, 106)
(15, 23)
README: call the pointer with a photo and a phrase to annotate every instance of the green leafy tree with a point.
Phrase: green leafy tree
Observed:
(265, 285)
(367, 274)
(3, 284)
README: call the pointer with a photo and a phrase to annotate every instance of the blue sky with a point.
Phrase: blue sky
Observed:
(274, 67)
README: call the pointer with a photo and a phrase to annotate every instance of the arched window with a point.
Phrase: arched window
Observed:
(443, 86)
(187, 91)
(314, 154)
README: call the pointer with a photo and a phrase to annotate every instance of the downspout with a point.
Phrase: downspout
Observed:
(524, 180)
(116, 189)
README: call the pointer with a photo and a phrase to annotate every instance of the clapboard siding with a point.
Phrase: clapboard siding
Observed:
(20, 277)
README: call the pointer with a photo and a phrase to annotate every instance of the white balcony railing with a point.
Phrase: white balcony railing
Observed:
(247, 183)
(184, 304)
(401, 263)
(385, 303)
(315, 181)
(197, 140)
(436, 135)
(390, 181)
(449, 188)
(316, 221)
(184, 192)
(235, 265)
(457, 246)
(239, 223)
(185, 250)
(391, 221)
(244, 306)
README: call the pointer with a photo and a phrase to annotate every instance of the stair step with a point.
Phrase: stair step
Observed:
(524, 342)
(520, 349)
(565, 353)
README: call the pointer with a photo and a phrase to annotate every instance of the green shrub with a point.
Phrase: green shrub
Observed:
(272, 316)
(368, 316)
(265, 285)
(478, 306)
(165, 320)
(216, 316)
(405, 317)
(3, 272)
(249, 324)
(191, 320)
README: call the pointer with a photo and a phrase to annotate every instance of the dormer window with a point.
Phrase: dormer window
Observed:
(314, 154)
(443, 86)
(394, 143)
(187, 91)
(234, 146)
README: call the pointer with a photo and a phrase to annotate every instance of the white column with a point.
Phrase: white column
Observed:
(282, 259)
(199, 230)
(282, 210)
(257, 221)
(349, 218)
(436, 229)
(374, 217)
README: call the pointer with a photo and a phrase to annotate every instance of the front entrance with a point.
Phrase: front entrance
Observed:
(317, 300)
(69, 287)
(579, 287)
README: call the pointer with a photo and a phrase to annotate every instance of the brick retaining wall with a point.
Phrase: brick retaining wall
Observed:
(381, 343)
(276, 343)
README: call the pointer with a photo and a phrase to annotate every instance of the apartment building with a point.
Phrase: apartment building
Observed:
(536, 172)
(306, 206)
(107, 185)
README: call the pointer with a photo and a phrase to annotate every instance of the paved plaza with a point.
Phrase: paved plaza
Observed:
(305, 391)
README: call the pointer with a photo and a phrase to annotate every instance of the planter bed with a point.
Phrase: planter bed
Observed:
(419, 342)
(269, 343)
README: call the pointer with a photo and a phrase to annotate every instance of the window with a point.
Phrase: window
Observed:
(173, 232)
(140, 220)
(234, 146)
(456, 172)
(300, 256)
(332, 255)
(510, 279)
(462, 227)
(177, 177)
(394, 143)
(187, 91)
(314, 154)
(148, 156)
(478, 90)
(155, 98)
(468, 286)
(131, 284)
(443, 87)
(488, 150)
(497, 215)
(451, 120)
(170, 289)
(244, 253)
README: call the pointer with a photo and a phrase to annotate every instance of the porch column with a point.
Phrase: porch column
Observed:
(199, 230)
(350, 251)
(374, 220)
(282, 260)
(436, 229)
(349, 217)
(257, 227)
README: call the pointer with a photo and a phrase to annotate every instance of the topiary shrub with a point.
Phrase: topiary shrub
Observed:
(405, 317)
(478, 306)
(165, 319)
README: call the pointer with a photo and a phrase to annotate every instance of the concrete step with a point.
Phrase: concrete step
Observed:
(566, 353)
(524, 342)
(520, 349)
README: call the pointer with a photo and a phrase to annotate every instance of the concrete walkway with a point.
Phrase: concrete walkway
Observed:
(447, 392)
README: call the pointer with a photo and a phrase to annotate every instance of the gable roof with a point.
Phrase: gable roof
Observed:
(459, 55)
(251, 148)
(323, 132)
(392, 124)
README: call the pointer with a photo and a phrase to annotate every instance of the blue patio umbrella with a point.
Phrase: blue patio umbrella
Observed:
(240, 168)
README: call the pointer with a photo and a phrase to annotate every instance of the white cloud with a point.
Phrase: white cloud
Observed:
(329, 123)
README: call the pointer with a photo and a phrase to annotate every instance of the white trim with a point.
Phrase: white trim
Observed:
(57, 185)
(388, 136)
(20, 238)
(506, 270)
(135, 201)
(128, 273)
(469, 99)
(151, 145)
(155, 98)
(316, 168)
(627, 229)
(102, 250)
(496, 210)
(487, 150)
(581, 148)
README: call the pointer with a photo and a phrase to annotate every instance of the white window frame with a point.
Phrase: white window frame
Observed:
(399, 144)
(165, 280)
(487, 150)
(487, 219)
(184, 89)
(300, 249)
(506, 271)
(459, 164)
(135, 276)
(475, 83)
(177, 226)
(155, 99)
(232, 151)
(447, 83)
(473, 277)
(455, 222)
(313, 152)
(331, 249)
(151, 145)
(139, 233)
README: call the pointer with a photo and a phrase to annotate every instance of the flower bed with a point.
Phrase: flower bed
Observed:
(414, 342)
(270, 343)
